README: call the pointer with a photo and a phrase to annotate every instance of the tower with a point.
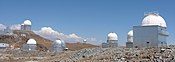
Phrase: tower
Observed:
(129, 43)
(26, 26)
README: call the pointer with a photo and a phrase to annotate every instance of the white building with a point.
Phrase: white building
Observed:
(58, 46)
(30, 46)
(152, 32)
(112, 40)
(26, 26)
(4, 45)
(129, 43)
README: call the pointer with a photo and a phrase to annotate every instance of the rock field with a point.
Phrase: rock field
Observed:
(161, 54)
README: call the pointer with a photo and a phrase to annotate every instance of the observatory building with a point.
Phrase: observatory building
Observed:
(58, 46)
(30, 46)
(129, 44)
(112, 40)
(26, 26)
(152, 32)
(4, 45)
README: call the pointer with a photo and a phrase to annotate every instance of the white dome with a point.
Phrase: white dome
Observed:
(153, 19)
(130, 36)
(31, 41)
(59, 42)
(84, 40)
(130, 33)
(27, 22)
(112, 36)
(22, 24)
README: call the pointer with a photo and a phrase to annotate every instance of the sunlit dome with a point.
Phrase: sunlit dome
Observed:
(84, 40)
(27, 22)
(153, 19)
(130, 33)
(112, 36)
(22, 24)
(31, 41)
(59, 42)
(130, 36)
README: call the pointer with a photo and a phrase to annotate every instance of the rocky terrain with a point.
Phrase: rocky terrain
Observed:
(158, 54)
(118, 55)
(79, 52)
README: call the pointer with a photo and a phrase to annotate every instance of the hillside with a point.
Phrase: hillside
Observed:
(78, 46)
(43, 44)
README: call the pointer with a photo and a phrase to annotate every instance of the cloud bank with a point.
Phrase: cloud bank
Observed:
(15, 27)
(12, 27)
(49, 33)
(2, 27)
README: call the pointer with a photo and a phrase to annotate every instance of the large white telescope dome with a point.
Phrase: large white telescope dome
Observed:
(130, 36)
(112, 36)
(153, 19)
(31, 41)
(27, 22)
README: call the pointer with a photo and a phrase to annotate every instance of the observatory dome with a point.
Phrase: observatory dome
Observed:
(153, 19)
(31, 41)
(112, 36)
(84, 40)
(22, 24)
(130, 36)
(59, 42)
(27, 22)
(130, 33)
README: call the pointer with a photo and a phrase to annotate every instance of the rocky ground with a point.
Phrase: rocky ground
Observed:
(163, 54)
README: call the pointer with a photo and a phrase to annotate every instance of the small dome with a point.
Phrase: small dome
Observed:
(31, 41)
(59, 42)
(130, 36)
(84, 40)
(27, 22)
(112, 36)
(153, 19)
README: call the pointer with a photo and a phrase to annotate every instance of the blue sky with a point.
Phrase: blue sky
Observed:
(87, 18)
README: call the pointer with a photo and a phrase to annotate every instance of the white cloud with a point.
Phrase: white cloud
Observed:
(73, 35)
(2, 27)
(49, 33)
(15, 27)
